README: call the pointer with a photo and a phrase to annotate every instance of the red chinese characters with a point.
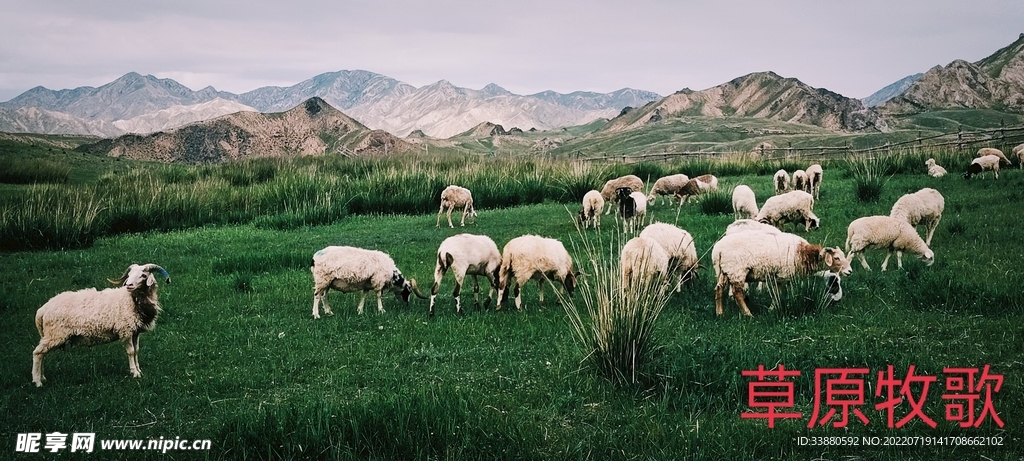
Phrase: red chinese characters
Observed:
(767, 394)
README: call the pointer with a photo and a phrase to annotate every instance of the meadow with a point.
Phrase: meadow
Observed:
(236, 357)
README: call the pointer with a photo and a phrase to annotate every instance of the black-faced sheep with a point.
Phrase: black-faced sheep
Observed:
(89, 317)
(682, 253)
(668, 186)
(934, 170)
(794, 206)
(608, 192)
(632, 208)
(780, 181)
(814, 176)
(453, 197)
(744, 203)
(884, 232)
(530, 257)
(467, 254)
(349, 269)
(983, 164)
(593, 204)
(922, 207)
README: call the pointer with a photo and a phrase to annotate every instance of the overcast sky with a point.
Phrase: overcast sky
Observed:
(526, 46)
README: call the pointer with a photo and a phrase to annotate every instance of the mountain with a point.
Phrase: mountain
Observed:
(177, 116)
(758, 95)
(996, 82)
(31, 119)
(311, 128)
(891, 91)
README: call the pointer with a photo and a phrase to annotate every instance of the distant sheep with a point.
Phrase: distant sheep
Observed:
(349, 269)
(668, 186)
(814, 177)
(707, 182)
(984, 151)
(800, 181)
(780, 182)
(935, 171)
(467, 254)
(922, 207)
(1019, 150)
(678, 243)
(983, 164)
(632, 208)
(642, 261)
(530, 257)
(453, 197)
(885, 232)
(593, 204)
(696, 186)
(89, 317)
(608, 192)
(794, 206)
(744, 203)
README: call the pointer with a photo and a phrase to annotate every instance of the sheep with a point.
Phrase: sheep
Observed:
(892, 234)
(642, 261)
(982, 164)
(467, 254)
(935, 171)
(349, 269)
(922, 207)
(530, 257)
(608, 192)
(667, 185)
(757, 256)
(678, 243)
(707, 182)
(742, 225)
(814, 177)
(89, 317)
(985, 151)
(1019, 150)
(632, 208)
(780, 181)
(696, 186)
(833, 286)
(800, 181)
(794, 206)
(744, 203)
(453, 197)
(593, 203)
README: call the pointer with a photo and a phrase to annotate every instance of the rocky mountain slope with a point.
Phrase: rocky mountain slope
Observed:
(891, 91)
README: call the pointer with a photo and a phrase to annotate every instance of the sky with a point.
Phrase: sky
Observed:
(526, 46)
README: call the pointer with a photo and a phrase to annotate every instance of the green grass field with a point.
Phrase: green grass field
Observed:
(237, 358)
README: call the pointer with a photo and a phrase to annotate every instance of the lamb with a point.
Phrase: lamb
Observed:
(467, 254)
(892, 234)
(781, 181)
(89, 317)
(794, 206)
(530, 257)
(667, 185)
(800, 180)
(935, 171)
(744, 203)
(632, 208)
(608, 191)
(985, 151)
(922, 207)
(682, 254)
(453, 197)
(642, 261)
(593, 203)
(982, 164)
(349, 269)
(758, 256)
(1019, 150)
(814, 177)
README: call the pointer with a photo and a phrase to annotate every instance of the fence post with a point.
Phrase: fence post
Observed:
(960, 137)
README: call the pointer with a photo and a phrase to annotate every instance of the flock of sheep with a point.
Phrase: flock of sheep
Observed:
(754, 248)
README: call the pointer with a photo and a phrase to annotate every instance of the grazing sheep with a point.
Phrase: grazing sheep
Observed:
(643, 261)
(608, 192)
(985, 151)
(349, 269)
(794, 206)
(982, 164)
(530, 257)
(935, 171)
(800, 181)
(593, 203)
(781, 181)
(667, 185)
(695, 186)
(833, 286)
(89, 317)
(632, 208)
(743, 225)
(707, 182)
(682, 253)
(744, 203)
(467, 254)
(453, 197)
(814, 177)
(922, 207)
(1019, 150)
(758, 256)
(892, 234)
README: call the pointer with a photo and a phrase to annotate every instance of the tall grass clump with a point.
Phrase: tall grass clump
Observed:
(45, 216)
(715, 202)
(33, 171)
(869, 173)
(797, 297)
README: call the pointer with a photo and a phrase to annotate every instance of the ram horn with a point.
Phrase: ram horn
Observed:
(159, 270)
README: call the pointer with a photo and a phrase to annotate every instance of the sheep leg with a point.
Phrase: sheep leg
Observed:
(465, 209)
(380, 305)
(737, 292)
(899, 259)
(45, 345)
(359, 309)
(450, 210)
(886, 261)
(540, 288)
(439, 272)
(457, 294)
(931, 230)
(476, 293)
(518, 295)
(439, 216)
(719, 288)
(131, 345)
(863, 261)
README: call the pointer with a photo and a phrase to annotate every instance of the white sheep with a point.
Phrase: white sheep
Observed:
(453, 197)
(743, 225)
(794, 206)
(985, 151)
(800, 181)
(349, 269)
(667, 185)
(642, 261)
(682, 253)
(466, 254)
(934, 170)
(89, 317)
(1019, 150)
(593, 203)
(707, 182)
(892, 234)
(814, 176)
(608, 192)
(922, 207)
(758, 256)
(982, 164)
(780, 181)
(632, 208)
(530, 257)
(744, 203)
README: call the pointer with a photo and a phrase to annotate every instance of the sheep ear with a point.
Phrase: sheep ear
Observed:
(829, 257)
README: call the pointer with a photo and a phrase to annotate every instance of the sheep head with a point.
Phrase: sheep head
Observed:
(836, 261)
(135, 276)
